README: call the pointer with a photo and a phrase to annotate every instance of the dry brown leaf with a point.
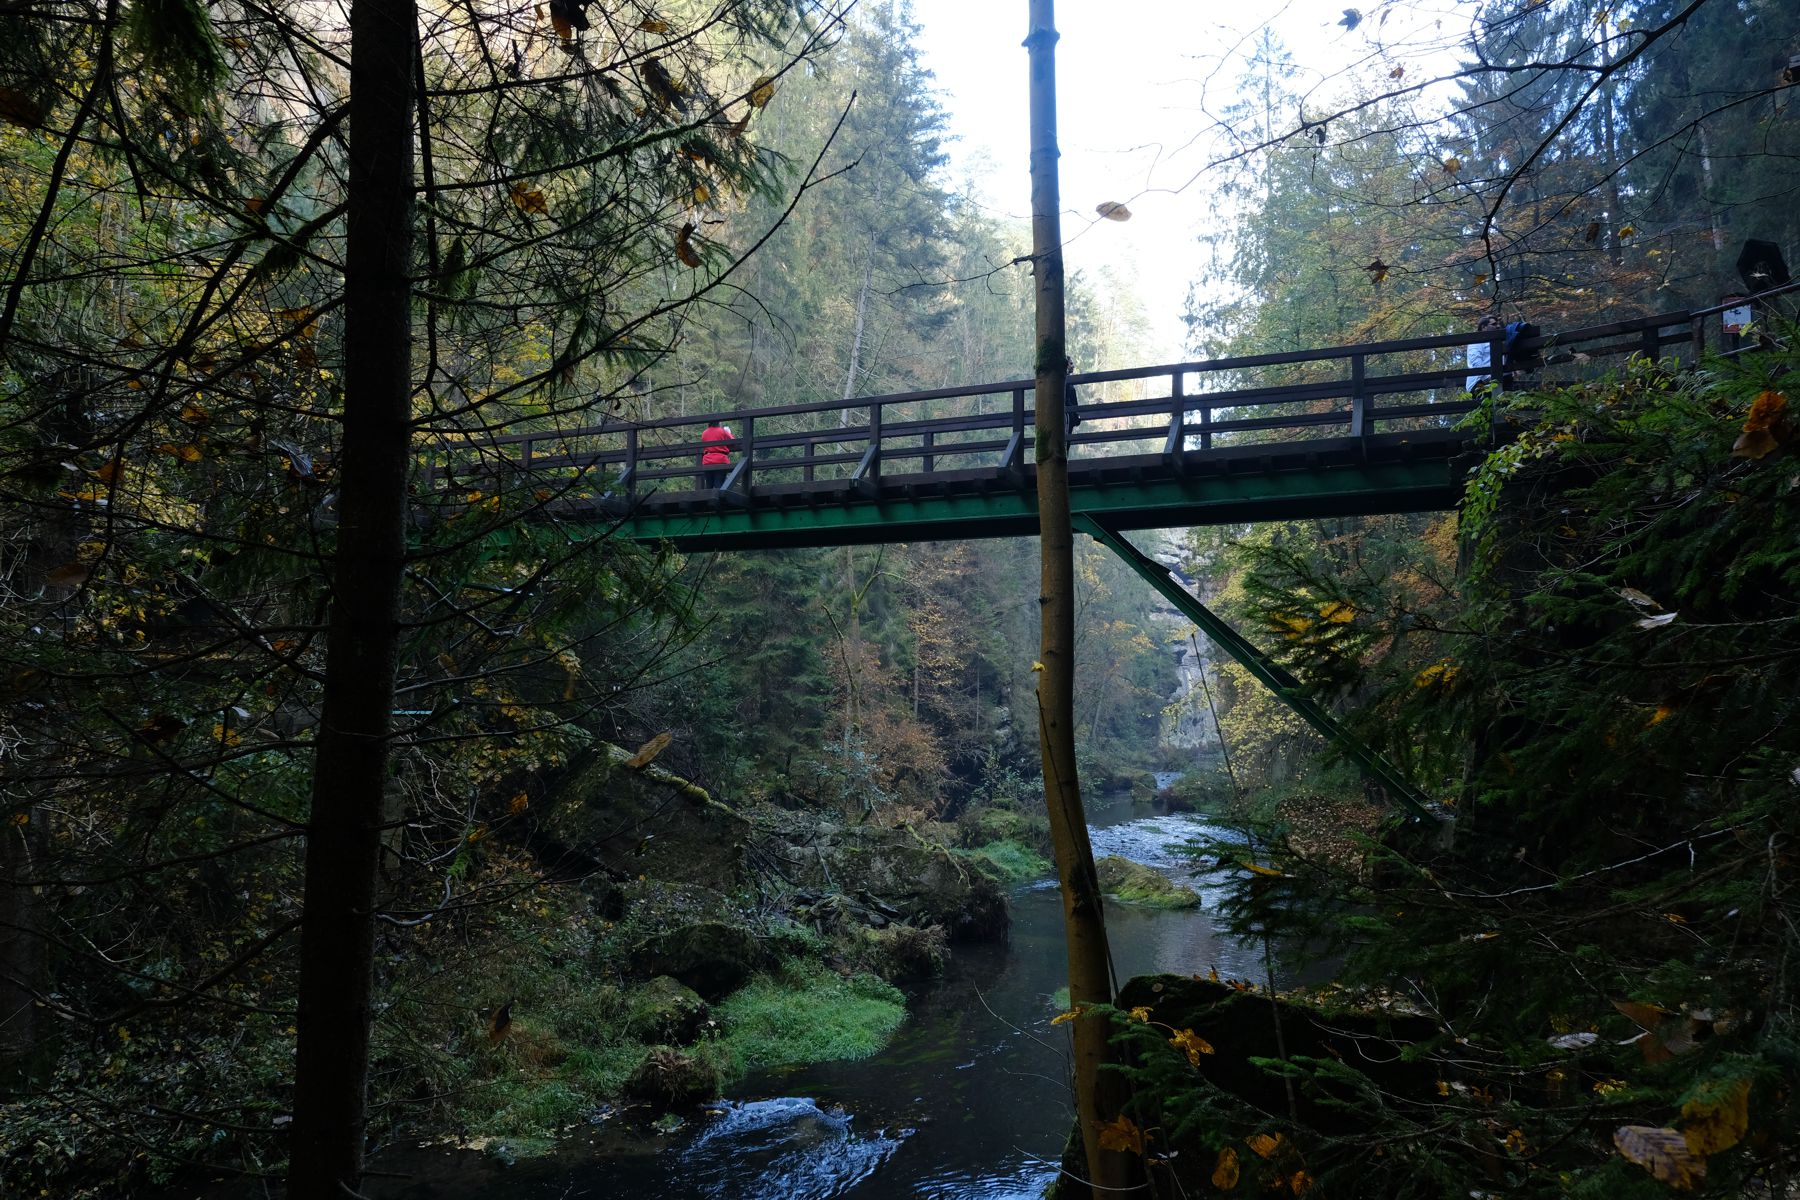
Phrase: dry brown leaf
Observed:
(1662, 1152)
(529, 200)
(70, 574)
(1112, 210)
(1121, 1133)
(646, 753)
(684, 247)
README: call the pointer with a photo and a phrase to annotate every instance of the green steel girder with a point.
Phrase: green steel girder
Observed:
(1342, 489)
(1275, 677)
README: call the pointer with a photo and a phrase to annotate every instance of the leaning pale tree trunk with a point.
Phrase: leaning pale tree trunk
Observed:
(350, 770)
(1100, 1094)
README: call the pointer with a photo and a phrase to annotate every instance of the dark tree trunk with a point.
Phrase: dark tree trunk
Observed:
(350, 770)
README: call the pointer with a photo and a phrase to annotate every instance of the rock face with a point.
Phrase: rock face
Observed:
(918, 882)
(712, 957)
(645, 822)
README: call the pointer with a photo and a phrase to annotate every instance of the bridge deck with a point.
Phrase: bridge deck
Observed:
(1339, 431)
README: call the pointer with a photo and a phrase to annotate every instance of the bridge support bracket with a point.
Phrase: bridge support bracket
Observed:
(1274, 676)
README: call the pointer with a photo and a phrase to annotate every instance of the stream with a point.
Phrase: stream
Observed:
(970, 1101)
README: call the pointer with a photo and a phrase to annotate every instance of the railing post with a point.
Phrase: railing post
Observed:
(1699, 336)
(1174, 447)
(1652, 342)
(631, 461)
(806, 472)
(929, 462)
(748, 444)
(1015, 448)
(874, 471)
(1359, 402)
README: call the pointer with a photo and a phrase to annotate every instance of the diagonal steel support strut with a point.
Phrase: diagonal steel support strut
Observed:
(1278, 680)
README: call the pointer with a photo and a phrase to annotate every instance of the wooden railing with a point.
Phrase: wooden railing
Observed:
(1179, 411)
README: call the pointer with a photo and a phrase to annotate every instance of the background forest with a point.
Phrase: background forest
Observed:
(632, 211)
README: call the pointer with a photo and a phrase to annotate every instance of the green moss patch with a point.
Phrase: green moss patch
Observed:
(808, 1014)
(1135, 883)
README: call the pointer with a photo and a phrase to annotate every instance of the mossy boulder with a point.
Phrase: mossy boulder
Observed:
(645, 821)
(1135, 883)
(669, 1079)
(711, 957)
(666, 1011)
(924, 882)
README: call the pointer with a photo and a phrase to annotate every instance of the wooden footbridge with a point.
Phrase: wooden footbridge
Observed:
(1384, 427)
(1375, 428)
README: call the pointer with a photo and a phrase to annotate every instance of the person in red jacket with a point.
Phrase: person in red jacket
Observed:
(715, 455)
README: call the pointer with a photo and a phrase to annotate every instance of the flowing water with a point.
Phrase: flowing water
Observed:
(970, 1101)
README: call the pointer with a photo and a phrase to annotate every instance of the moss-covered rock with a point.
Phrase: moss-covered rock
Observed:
(915, 881)
(1135, 883)
(669, 1078)
(712, 957)
(665, 1010)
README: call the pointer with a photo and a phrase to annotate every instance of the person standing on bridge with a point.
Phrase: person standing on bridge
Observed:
(1481, 354)
(715, 454)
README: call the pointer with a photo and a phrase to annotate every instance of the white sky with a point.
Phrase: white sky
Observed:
(1132, 79)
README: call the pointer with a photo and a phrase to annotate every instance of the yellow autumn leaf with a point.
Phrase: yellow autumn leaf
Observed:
(702, 193)
(1121, 1133)
(1070, 1015)
(1191, 1044)
(761, 92)
(1452, 165)
(518, 804)
(1037, 666)
(1141, 1013)
(652, 25)
(1336, 612)
(1662, 1152)
(1441, 674)
(1225, 1171)
(1259, 869)
(1626, 231)
(647, 752)
(1717, 1116)
(1266, 1145)
(1300, 1183)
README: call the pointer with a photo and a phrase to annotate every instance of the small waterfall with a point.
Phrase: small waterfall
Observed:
(1187, 721)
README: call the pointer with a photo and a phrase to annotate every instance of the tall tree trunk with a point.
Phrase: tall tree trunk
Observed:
(350, 769)
(1099, 1094)
(22, 962)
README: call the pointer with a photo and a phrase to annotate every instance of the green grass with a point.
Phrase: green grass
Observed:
(808, 1014)
(1013, 861)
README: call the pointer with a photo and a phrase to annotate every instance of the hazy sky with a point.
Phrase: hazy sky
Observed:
(1135, 82)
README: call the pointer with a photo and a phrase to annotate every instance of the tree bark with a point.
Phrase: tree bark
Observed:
(350, 770)
(1099, 1094)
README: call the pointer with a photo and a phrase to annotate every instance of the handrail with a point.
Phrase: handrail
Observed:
(1188, 420)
